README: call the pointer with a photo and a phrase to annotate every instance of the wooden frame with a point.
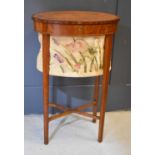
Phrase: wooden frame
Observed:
(47, 24)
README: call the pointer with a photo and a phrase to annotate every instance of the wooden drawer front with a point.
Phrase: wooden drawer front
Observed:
(77, 30)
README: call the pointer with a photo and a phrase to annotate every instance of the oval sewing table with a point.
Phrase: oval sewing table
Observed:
(75, 44)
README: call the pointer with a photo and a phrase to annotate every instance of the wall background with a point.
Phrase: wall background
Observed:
(72, 91)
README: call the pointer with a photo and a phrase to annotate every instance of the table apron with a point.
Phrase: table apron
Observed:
(75, 30)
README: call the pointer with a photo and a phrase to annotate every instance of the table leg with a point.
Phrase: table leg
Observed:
(46, 56)
(96, 93)
(105, 81)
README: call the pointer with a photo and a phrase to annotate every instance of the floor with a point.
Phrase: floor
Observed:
(76, 135)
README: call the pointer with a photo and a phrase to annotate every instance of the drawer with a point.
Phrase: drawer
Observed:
(77, 30)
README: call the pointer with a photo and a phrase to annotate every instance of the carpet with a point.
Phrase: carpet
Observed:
(76, 135)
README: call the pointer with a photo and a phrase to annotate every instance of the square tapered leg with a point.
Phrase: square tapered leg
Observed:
(45, 40)
(105, 81)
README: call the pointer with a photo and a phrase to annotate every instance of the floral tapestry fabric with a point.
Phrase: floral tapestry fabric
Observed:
(74, 56)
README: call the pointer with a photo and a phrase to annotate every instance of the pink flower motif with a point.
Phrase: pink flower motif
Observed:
(77, 46)
(58, 58)
(77, 66)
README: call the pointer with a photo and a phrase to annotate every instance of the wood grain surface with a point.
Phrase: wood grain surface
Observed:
(75, 17)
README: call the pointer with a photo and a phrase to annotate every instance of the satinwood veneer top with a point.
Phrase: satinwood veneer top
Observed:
(75, 23)
(75, 17)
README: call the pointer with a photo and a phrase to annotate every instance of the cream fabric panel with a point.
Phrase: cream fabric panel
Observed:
(74, 56)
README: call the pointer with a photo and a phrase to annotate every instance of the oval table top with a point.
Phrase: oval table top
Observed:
(75, 17)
